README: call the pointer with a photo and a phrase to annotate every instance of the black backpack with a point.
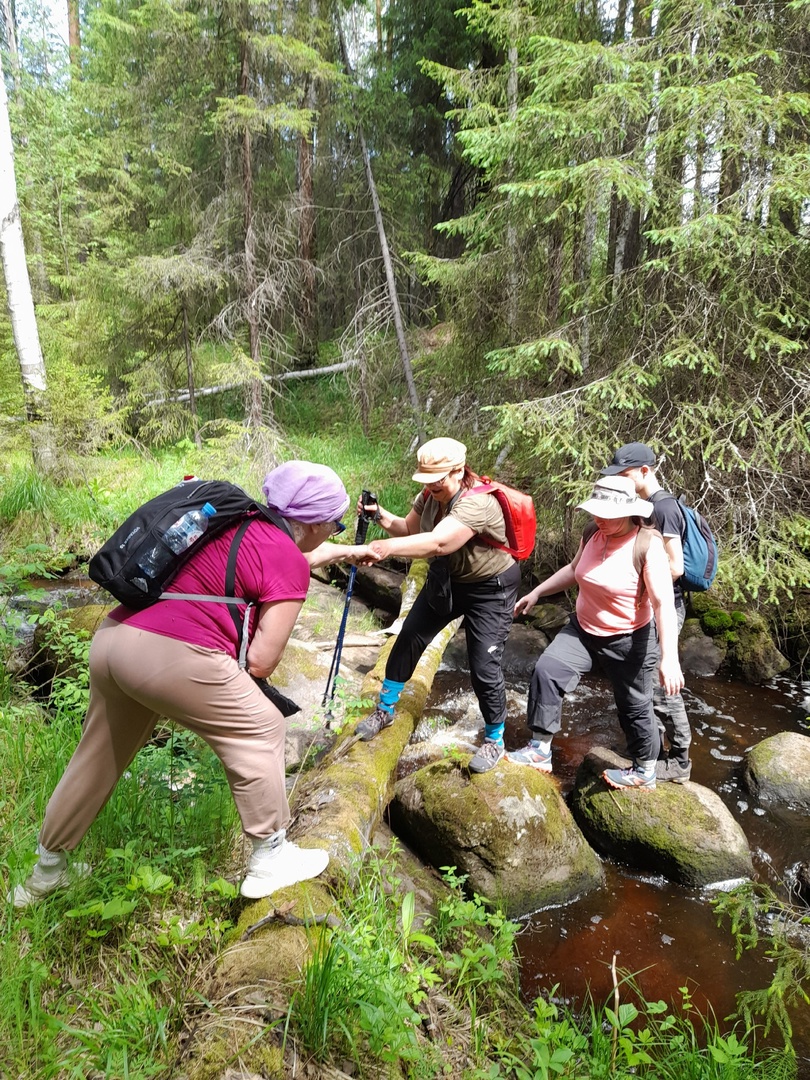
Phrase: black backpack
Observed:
(115, 566)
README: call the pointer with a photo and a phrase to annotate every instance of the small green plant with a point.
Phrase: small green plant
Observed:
(756, 915)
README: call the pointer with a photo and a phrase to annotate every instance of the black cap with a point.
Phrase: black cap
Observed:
(630, 456)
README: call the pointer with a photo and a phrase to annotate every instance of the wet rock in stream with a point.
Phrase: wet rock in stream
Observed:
(777, 770)
(508, 830)
(683, 831)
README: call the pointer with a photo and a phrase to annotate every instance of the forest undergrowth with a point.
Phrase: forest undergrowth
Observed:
(109, 979)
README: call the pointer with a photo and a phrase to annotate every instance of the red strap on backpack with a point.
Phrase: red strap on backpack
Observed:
(519, 517)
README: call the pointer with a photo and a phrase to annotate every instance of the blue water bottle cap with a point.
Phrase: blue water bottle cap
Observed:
(208, 509)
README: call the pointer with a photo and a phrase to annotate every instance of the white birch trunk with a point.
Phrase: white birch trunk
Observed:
(20, 300)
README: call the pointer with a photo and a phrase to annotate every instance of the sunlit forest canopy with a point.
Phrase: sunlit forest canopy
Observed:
(549, 228)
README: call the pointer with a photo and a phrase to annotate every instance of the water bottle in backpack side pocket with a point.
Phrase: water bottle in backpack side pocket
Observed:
(179, 536)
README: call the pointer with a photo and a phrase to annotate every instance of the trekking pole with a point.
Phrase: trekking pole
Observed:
(363, 521)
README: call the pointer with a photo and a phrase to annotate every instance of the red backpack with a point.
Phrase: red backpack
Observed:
(518, 516)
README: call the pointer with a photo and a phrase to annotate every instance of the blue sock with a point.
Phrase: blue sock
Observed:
(494, 732)
(390, 694)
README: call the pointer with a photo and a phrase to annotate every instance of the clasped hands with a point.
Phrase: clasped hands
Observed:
(363, 554)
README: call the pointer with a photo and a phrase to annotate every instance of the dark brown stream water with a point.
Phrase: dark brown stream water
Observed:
(665, 934)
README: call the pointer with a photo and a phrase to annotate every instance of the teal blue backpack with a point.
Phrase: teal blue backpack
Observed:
(700, 553)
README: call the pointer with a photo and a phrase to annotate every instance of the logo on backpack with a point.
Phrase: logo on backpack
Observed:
(145, 553)
(700, 554)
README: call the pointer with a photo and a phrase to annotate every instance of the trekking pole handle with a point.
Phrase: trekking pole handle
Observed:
(364, 518)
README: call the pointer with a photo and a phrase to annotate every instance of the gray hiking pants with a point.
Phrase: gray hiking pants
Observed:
(629, 660)
(670, 712)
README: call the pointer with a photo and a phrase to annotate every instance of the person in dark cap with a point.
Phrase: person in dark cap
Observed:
(638, 462)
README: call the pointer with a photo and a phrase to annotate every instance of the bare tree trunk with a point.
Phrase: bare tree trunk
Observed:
(74, 37)
(513, 271)
(389, 266)
(38, 260)
(378, 22)
(582, 276)
(308, 298)
(556, 241)
(11, 43)
(192, 402)
(254, 401)
(20, 302)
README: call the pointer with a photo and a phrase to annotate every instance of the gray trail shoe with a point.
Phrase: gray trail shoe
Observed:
(52, 872)
(533, 756)
(627, 779)
(487, 757)
(676, 772)
(373, 724)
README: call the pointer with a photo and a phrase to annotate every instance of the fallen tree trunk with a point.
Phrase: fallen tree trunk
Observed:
(338, 807)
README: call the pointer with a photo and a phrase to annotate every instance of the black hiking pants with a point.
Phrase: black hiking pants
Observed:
(487, 608)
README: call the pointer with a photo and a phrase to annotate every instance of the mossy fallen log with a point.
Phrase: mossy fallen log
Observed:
(338, 807)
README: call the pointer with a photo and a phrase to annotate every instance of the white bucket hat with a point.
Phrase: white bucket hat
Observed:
(615, 497)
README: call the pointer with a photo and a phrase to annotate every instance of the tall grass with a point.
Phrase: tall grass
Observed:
(441, 999)
(94, 980)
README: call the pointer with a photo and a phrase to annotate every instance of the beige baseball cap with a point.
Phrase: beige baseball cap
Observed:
(437, 458)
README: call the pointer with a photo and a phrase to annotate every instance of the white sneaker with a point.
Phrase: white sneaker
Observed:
(276, 862)
(50, 873)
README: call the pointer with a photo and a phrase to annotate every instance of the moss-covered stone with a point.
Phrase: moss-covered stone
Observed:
(682, 831)
(777, 770)
(741, 634)
(508, 830)
(715, 621)
(754, 656)
(233, 1039)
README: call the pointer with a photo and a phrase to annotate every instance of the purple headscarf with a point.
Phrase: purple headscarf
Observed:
(305, 491)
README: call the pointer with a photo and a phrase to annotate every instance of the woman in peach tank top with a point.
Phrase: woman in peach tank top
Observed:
(623, 579)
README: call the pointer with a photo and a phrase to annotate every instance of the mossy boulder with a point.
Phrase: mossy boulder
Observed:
(754, 656)
(508, 830)
(742, 634)
(699, 653)
(777, 770)
(682, 831)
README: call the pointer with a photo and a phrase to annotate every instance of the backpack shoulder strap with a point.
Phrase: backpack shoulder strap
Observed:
(241, 624)
(590, 530)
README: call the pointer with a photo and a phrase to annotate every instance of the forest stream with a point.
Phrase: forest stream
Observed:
(665, 934)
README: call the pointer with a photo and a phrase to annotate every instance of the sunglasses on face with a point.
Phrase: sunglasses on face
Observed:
(337, 528)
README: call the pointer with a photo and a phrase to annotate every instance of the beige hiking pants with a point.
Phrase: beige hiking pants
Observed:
(136, 677)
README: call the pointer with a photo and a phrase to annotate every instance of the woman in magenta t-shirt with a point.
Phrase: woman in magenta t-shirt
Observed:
(178, 658)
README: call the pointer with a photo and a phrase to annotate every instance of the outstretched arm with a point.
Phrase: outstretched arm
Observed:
(558, 582)
(448, 536)
(326, 554)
